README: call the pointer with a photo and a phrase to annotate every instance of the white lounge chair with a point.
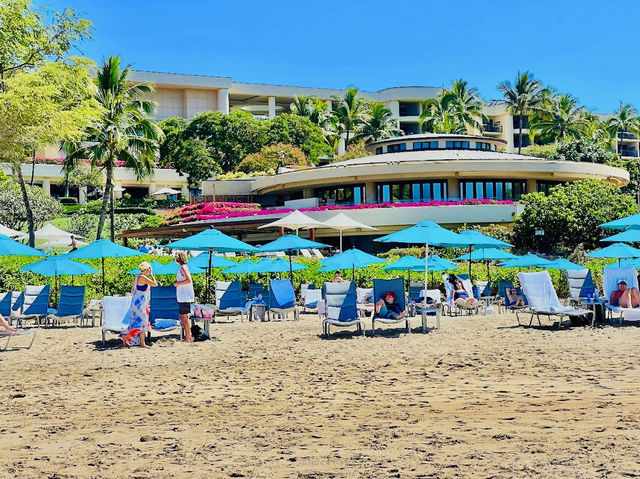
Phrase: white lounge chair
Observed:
(610, 283)
(364, 301)
(306, 253)
(459, 306)
(115, 315)
(543, 300)
(318, 254)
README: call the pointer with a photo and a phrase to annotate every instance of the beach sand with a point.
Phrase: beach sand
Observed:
(478, 398)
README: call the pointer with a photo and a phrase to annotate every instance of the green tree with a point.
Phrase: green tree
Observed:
(378, 124)
(350, 111)
(584, 149)
(270, 157)
(465, 105)
(13, 212)
(437, 118)
(299, 132)
(44, 95)
(526, 96)
(625, 119)
(188, 156)
(355, 150)
(124, 132)
(317, 111)
(560, 119)
(569, 216)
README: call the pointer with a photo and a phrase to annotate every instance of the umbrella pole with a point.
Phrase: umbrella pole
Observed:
(470, 279)
(426, 270)
(290, 268)
(341, 240)
(488, 274)
(103, 287)
(209, 277)
(353, 272)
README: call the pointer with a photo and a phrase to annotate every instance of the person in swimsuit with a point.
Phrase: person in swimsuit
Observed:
(388, 308)
(459, 293)
(625, 297)
(139, 309)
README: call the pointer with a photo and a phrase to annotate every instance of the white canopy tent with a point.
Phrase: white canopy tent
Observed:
(166, 191)
(4, 230)
(49, 232)
(61, 243)
(294, 221)
(343, 222)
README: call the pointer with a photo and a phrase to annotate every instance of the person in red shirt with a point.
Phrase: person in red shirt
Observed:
(625, 297)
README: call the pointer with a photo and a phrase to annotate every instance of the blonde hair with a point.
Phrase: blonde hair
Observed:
(145, 265)
(181, 257)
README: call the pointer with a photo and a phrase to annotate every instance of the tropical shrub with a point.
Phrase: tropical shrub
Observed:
(12, 210)
(355, 150)
(270, 157)
(541, 151)
(190, 212)
(585, 149)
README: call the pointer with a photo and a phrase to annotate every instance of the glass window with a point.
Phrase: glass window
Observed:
(457, 145)
(342, 194)
(379, 150)
(415, 192)
(396, 148)
(425, 145)
(493, 189)
(412, 191)
(481, 145)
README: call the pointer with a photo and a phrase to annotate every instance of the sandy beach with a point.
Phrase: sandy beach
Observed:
(478, 398)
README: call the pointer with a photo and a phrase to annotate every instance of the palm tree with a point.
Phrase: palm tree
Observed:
(562, 118)
(312, 108)
(124, 132)
(526, 96)
(465, 105)
(378, 124)
(436, 118)
(350, 111)
(625, 119)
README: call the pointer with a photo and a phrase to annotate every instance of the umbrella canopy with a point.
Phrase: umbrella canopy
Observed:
(436, 263)
(244, 267)
(166, 191)
(622, 223)
(630, 235)
(103, 248)
(59, 265)
(212, 240)
(289, 243)
(9, 247)
(404, 263)
(486, 254)
(279, 265)
(526, 261)
(617, 251)
(202, 261)
(294, 221)
(481, 240)
(635, 262)
(9, 232)
(562, 263)
(342, 222)
(50, 232)
(350, 259)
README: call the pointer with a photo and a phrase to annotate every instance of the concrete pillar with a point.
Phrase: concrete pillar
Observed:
(185, 192)
(394, 106)
(371, 192)
(532, 185)
(453, 189)
(82, 195)
(507, 132)
(272, 106)
(223, 100)
(46, 186)
(341, 147)
(308, 193)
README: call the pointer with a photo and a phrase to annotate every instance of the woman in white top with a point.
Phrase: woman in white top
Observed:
(184, 293)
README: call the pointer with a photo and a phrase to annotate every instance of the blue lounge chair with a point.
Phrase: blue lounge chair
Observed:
(255, 290)
(164, 311)
(580, 285)
(380, 286)
(340, 307)
(460, 306)
(281, 299)
(231, 300)
(7, 301)
(70, 304)
(33, 303)
(502, 293)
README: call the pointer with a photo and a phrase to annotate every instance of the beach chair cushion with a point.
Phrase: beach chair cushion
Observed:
(7, 301)
(580, 283)
(34, 301)
(255, 290)
(311, 298)
(611, 277)
(71, 302)
(116, 313)
(340, 302)
(229, 295)
(542, 295)
(163, 307)
(380, 287)
(281, 294)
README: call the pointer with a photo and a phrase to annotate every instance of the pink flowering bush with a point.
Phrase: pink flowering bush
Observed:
(220, 210)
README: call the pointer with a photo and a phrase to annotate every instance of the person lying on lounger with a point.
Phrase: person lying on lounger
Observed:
(459, 293)
(625, 297)
(4, 326)
(388, 308)
(513, 298)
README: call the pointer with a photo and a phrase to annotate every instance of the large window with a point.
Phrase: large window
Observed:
(342, 195)
(516, 122)
(409, 108)
(457, 145)
(493, 189)
(379, 150)
(425, 145)
(481, 145)
(396, 148)
(405, 192)
(545, 186)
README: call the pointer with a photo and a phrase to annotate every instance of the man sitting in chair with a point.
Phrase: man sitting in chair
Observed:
(514, 299)
(388, 308)
(625, 297)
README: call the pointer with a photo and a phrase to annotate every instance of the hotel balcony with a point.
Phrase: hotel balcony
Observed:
(628, 152)
(492, 128)
(626, 136)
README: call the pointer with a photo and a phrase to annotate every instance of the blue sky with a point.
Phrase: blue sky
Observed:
(587, 48)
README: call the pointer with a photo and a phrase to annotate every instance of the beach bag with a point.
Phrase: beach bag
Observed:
(199, 334)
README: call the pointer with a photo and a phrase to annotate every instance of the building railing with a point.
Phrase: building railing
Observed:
(626, 136)
(628, 152)
(492, 128)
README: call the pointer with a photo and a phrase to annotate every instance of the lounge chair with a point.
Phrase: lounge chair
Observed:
(7, 301)
(364, 301)
(424, 310)
(503, 286)
(610, 284)
(380, 286)
(18, 333)
(231, 300)
(306, 253)
(70, 305)
(460, 306)
(33, 303)
(317, 253)
(115, 315)
(340, 307)
(543, 300)
(281, 299)
(164, 311)
(303, 291)
(580, 285)
(255, 290)
(311, 299)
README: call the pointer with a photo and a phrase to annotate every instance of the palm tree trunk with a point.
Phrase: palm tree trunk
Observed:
(108, 187)
(520, 133)
(27, 205)
(111, 215)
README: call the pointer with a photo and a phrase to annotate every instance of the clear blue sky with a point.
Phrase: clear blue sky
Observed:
(587, 48)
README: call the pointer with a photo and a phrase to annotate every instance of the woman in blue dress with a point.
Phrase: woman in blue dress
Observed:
(139, 309)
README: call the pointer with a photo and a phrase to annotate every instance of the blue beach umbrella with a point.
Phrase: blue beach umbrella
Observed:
(428, 233)
(103, 248)
(617, 251)
(9, 247)
(168, 268)
(244, 267)
(480, 240)
(487, 254)
(406, 263)
(351, 259)
(211, 240)
(630, 235)
(279, 265)
(622, 223)
(437, 264)
(526, 261)
(59, 265)
(565, 264)
(635, 262)
(202, 261)
(288, 244)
